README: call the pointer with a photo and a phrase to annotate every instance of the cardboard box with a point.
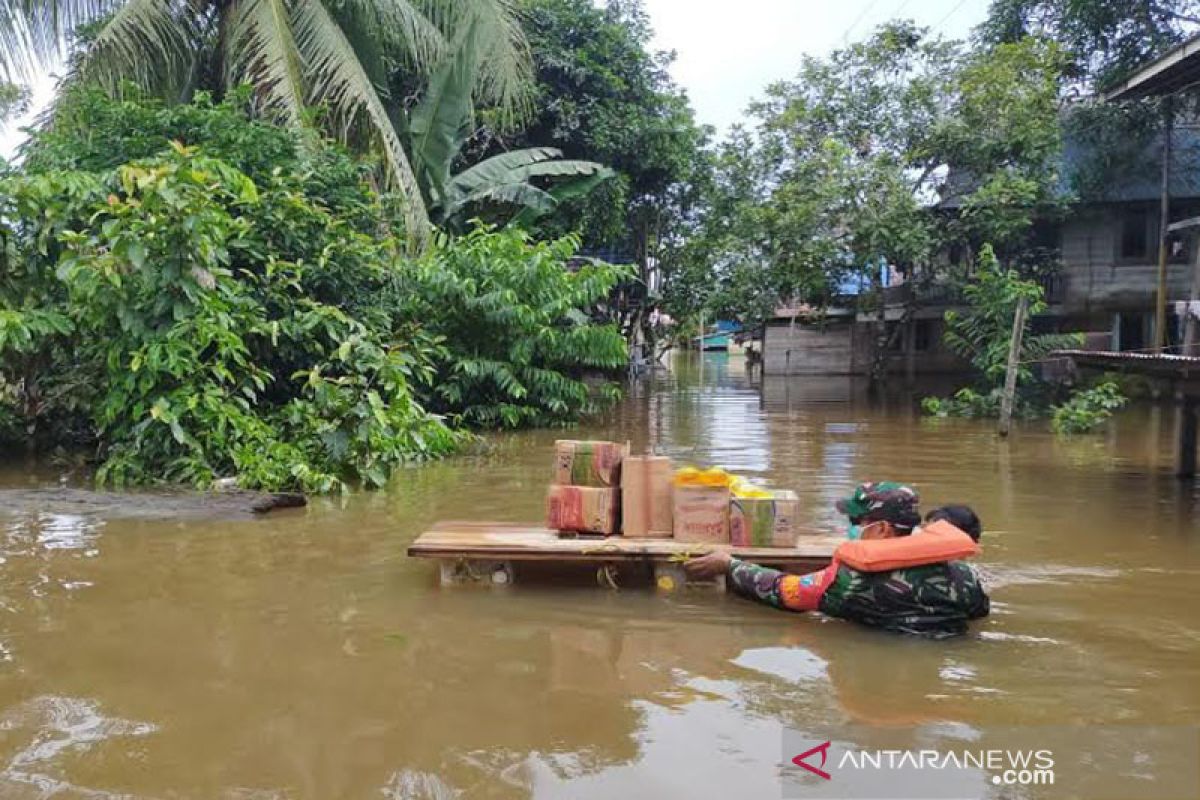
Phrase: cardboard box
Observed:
(583, 509)
(764, 522)
(581, 463)
(646, 497)
(701, 513)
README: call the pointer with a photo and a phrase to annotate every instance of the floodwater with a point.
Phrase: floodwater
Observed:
(302, 655)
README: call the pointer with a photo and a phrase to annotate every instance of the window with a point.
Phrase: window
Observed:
(1132, 331)
(1135, 235)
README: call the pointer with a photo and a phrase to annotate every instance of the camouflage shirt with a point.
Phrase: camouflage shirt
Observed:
(936, 600)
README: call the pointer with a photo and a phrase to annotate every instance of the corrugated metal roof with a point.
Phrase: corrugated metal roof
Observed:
(1176, 70)
(1162, 365)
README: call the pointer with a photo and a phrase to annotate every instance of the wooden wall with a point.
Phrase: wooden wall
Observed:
(803, 349)
(844, 348)
(1095, 278)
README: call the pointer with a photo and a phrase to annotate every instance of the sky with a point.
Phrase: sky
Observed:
(728, 51)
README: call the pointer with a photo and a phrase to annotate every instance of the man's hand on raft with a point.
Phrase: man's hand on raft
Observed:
(709, 565)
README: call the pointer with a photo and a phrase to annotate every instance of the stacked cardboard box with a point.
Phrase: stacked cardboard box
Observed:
(764, 521)
(585, 496)
(646, 497)
(701, 514)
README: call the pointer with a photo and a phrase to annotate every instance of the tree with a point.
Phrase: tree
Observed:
(836, 176)
(604, 95)
(1107, 38)
(1002, 141)
(888, 152)
(298, 54)
(189, 293)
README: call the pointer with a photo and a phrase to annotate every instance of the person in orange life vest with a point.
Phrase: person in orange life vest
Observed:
(934, 598)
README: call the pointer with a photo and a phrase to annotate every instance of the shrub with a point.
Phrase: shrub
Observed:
(1087, 409)
(234, 304)
(171, 312)
(516, 342)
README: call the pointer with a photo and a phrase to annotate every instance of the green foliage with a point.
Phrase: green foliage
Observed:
(966, 402)
(300, 56)
(439, 125)
(845, 163)
(983, 335)
(193, 320)
(602, 93)
(516, 343)
(14, 100)
(1003, 142)
(190, 321)
(1087, 409)
(1106, 38)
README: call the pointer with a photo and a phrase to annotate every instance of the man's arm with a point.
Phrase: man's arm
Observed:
(763, 584)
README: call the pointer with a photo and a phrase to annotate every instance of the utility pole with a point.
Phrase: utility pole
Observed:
(1160, 307)
(1191, 325)
(1014, 361)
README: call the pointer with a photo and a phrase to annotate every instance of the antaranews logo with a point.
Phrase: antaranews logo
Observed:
(950, 761)
(1022, 767)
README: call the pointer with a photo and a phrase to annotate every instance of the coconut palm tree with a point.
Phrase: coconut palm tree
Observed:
(298, 54)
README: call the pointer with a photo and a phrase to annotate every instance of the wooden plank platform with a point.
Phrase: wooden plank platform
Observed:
(489, 548)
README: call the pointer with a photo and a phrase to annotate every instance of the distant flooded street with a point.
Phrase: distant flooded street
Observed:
(302, 655)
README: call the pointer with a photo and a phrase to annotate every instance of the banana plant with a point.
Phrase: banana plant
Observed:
(439, 126)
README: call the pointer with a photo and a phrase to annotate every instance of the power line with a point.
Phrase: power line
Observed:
(953, 11)
(866, 10)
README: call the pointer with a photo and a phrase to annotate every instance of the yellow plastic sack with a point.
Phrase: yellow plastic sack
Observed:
(714, 476)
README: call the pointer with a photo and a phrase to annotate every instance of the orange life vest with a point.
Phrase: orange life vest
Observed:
(934, 543)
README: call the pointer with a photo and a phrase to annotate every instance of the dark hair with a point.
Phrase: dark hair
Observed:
(902, 520)
(961, 517)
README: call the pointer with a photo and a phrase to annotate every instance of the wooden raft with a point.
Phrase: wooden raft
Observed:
(474, 551)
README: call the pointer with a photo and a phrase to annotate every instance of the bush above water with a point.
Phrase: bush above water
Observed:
(191, 322)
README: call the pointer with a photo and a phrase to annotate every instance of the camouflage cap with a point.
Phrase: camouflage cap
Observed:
(880, 500)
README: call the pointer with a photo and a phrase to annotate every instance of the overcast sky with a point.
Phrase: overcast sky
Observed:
(729, 50)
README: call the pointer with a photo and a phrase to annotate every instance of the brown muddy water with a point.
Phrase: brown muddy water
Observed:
(302, 655)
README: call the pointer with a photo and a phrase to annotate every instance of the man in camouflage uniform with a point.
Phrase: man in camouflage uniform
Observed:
(934, 600)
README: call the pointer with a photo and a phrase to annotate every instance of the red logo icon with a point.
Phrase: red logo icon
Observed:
(823, 749)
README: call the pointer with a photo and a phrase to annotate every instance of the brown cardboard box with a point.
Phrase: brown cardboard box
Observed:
(646, 497)
(764, 522)
(582, 463)
(583, 509)
(701, 513)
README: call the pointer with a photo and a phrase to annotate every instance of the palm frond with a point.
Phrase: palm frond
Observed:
(504, 78)
(338, 79)
(401, 29)
(149, 42)
(262, 51)
(32, 34)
